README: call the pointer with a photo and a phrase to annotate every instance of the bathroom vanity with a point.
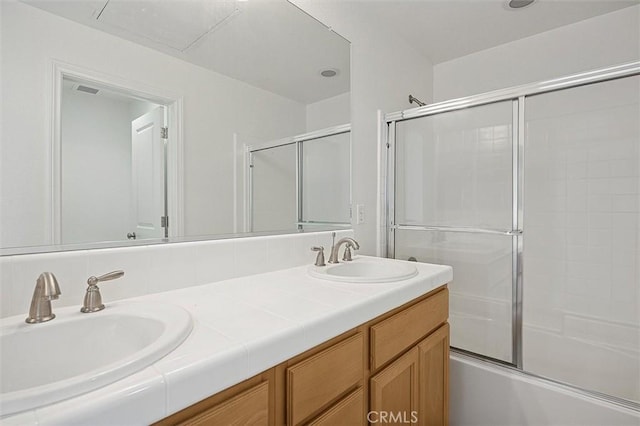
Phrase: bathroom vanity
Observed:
(282, 347)
(393, 367)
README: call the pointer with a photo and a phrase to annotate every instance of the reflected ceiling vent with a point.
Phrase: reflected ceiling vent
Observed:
(86, 89)
(519, 4)
(329, 72)
(172, 24)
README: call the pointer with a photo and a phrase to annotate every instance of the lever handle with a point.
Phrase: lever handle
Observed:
(320, 257)
(106, 277)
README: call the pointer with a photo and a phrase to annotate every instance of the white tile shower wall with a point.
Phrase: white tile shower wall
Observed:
(153, 269)
(581, 240)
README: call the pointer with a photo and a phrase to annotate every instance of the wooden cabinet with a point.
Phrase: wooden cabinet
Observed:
(415, 387)
(251, 402)
(322, 378)
(405, 328)
(391, 370)
(395, 391)
(347, 411)
(433, 354)
(251, 407)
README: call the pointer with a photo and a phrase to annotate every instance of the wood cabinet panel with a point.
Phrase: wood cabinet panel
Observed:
(434, 378)
(395, 391)
(399, 332)
(324, 377)
(251, 407)
(349, 411)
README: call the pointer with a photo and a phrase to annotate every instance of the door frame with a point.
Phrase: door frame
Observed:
(173, 104)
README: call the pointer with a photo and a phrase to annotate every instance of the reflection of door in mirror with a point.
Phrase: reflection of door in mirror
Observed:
(109, 140)
(148, 175)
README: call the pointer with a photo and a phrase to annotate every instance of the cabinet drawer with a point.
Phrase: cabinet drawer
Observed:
(399, 332)
(251, 407)
(348, 411)
(322, 378)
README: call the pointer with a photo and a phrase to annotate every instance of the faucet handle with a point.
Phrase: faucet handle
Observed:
(320, 257)
(106, 277)
(347, 252)
(93, 298)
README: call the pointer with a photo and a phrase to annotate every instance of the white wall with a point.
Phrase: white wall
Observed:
(384, 70)
(215, 107)
(598, 42)
(96, 167)
(329, 112)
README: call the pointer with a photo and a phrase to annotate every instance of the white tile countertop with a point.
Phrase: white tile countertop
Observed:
(242, 327)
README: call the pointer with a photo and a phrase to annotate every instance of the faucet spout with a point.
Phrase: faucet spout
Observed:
(333, 258)
(46, 290)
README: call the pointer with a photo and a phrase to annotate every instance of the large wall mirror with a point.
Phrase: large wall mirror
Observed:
(132, 122)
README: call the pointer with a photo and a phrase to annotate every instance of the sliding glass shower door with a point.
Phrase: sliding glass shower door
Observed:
(532, 194)
(581, 256)
(454, 206)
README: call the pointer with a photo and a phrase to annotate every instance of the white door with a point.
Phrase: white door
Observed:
(147, 167)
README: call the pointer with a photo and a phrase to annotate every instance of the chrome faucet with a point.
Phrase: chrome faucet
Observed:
(93, 298)
(47, 289)
(333, 257)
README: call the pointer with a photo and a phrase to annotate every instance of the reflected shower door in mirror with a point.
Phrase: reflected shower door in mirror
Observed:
(219, 69)
(301, 182)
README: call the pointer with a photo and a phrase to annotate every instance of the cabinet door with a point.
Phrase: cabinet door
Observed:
(434, 378)
(395, 391)
(313, 384)
(349, 411)
(251, 407)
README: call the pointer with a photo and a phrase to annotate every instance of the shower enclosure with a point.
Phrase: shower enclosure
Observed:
(532, 195)
(300, 182)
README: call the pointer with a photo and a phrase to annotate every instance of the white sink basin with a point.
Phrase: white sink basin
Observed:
(365, 270)
(76, 353)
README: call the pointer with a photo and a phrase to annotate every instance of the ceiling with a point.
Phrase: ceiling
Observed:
(237, 38)
(446, 29)
(270, 44)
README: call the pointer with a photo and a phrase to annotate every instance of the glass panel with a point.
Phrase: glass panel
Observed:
(274, 189)
(582, 222)
(480, 294)
(454, 169)
(326, 177)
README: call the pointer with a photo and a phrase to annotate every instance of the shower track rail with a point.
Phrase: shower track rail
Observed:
(517, 96)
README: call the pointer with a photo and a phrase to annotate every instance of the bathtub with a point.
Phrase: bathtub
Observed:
(483, 393)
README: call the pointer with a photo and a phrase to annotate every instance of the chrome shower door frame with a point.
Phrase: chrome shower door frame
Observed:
(517, 95)
(298, 141)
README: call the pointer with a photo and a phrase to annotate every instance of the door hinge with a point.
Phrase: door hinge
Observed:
(164, 221)
(164, 132)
